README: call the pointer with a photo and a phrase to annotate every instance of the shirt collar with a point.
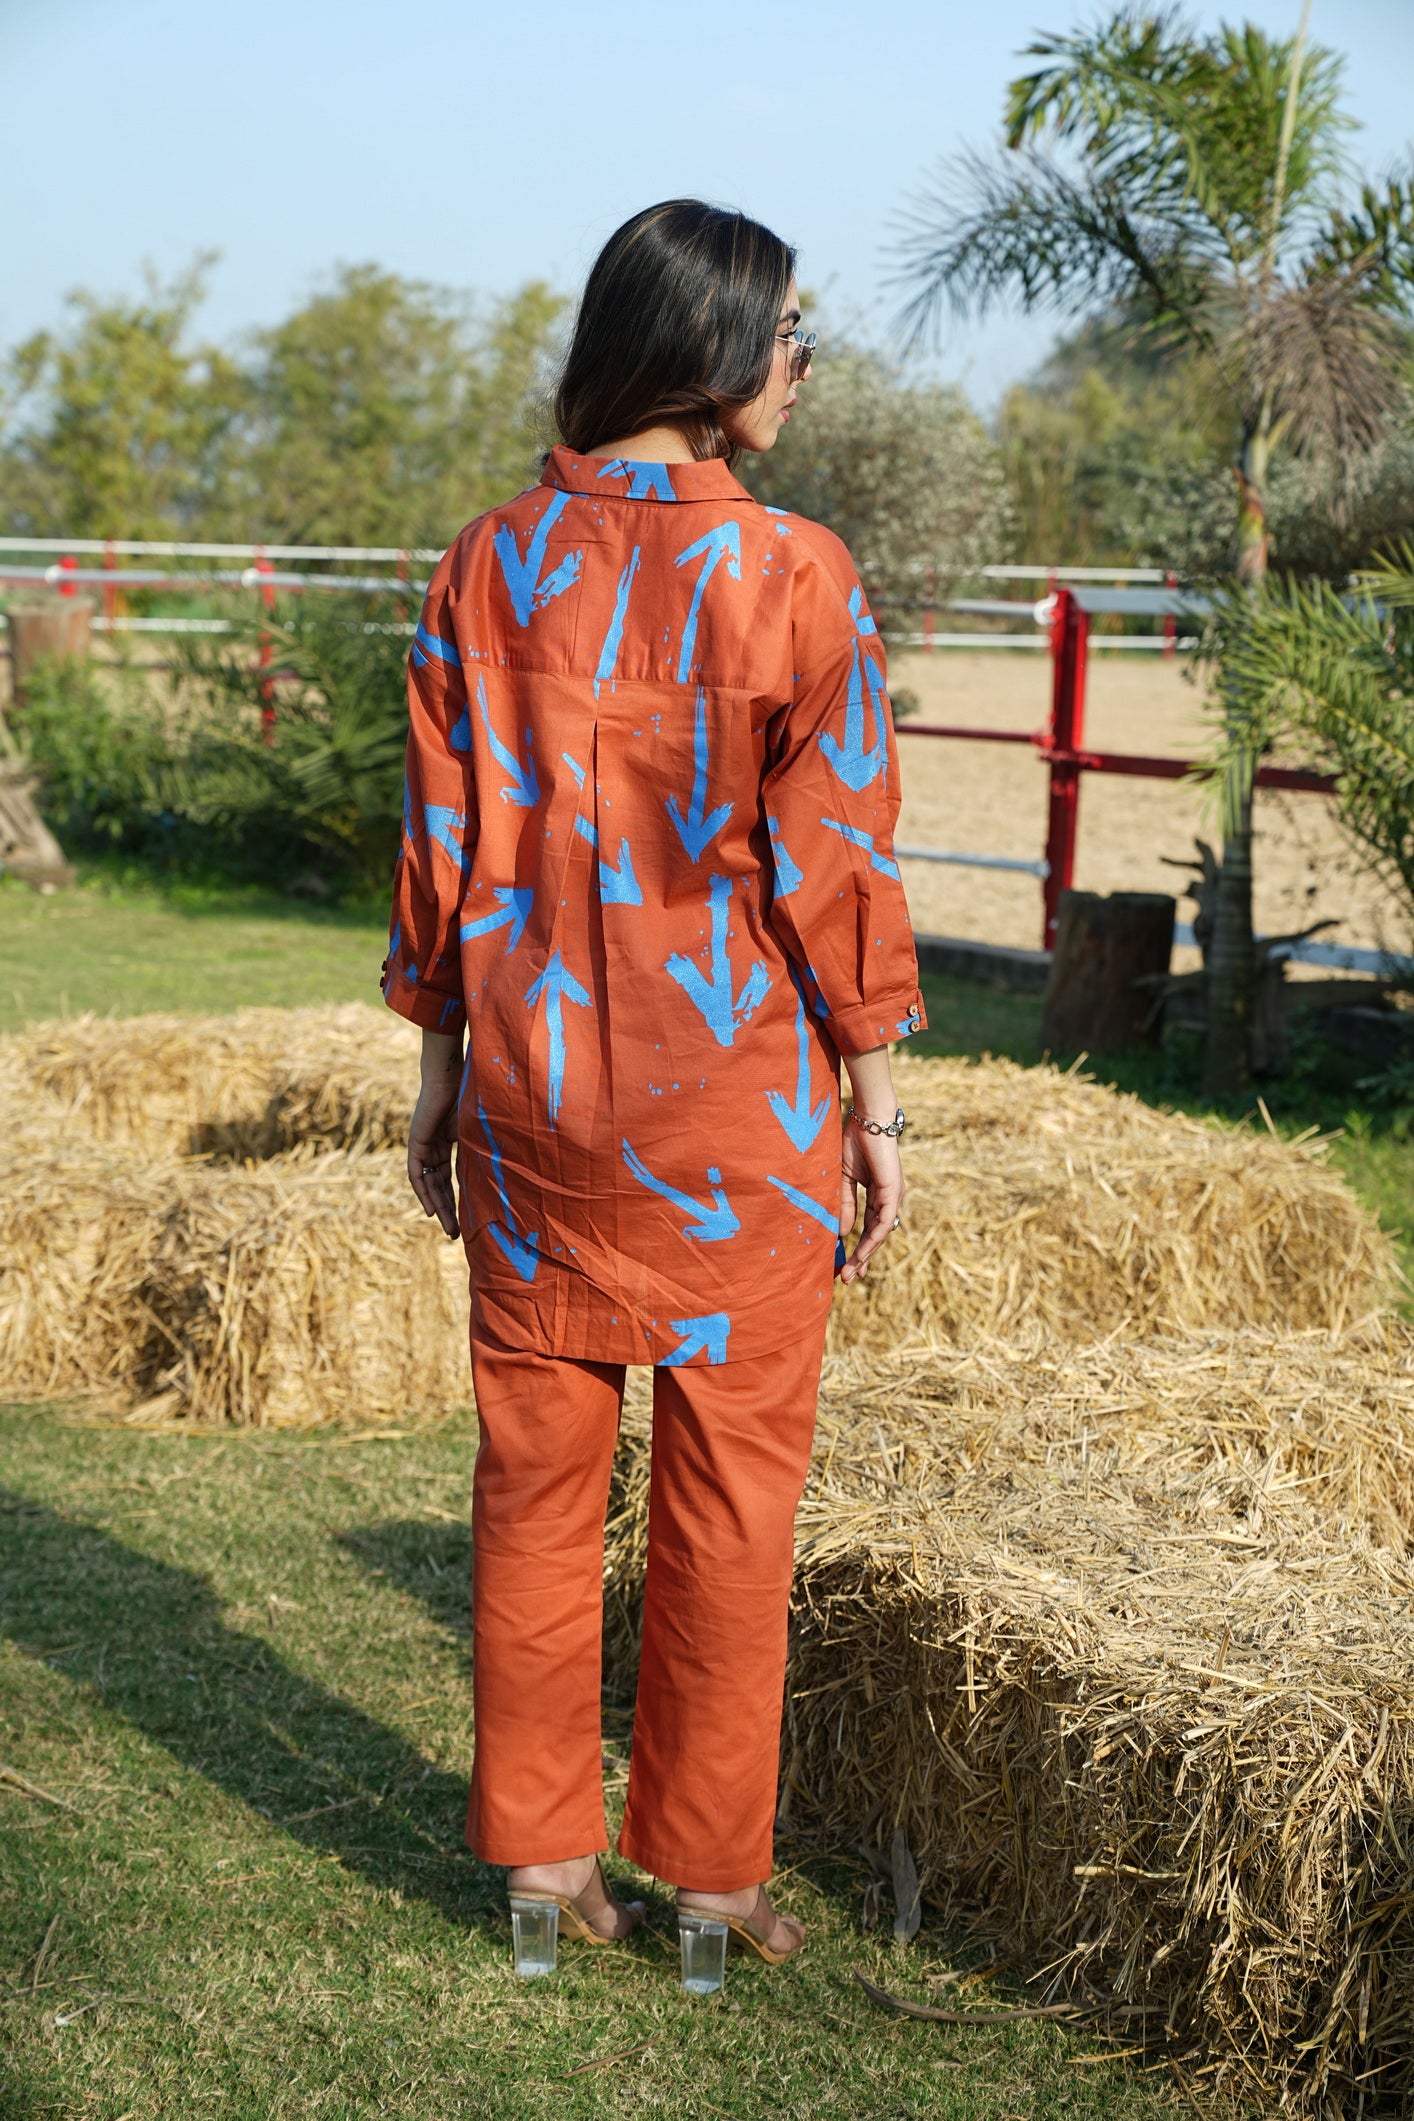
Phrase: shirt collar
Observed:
(626, 479)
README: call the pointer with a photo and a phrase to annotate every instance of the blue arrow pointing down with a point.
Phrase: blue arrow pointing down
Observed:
(714, 996)
(800, 1122)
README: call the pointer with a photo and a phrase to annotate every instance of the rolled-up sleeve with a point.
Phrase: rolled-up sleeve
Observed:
(422, 977)
(832, 797)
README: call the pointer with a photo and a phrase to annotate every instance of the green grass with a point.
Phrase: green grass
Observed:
(239, 1666)
(121, 945)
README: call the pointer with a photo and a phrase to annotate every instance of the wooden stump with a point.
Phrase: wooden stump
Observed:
(54, 626)
(1105, 948)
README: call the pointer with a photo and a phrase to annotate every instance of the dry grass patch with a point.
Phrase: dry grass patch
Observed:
(1040, 1205)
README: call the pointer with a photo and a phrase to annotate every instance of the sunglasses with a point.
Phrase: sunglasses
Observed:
(800, 351)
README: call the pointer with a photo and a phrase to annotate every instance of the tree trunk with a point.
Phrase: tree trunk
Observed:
(1111, 955)
(1231, 959)
(53, 627)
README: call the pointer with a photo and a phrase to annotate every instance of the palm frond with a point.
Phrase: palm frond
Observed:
(1380, 226)
(1030, 228)
(1327, 359)
(1330, 681)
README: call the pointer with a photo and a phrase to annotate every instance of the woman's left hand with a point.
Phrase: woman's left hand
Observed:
(432, 1132)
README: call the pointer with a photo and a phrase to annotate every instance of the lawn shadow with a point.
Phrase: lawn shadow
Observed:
(431, 1562)
(149, 1639)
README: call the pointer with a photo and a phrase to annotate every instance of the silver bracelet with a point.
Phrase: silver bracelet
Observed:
(873, 1126)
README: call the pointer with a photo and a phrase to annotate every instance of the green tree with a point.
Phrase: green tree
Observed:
(384, 412)
(1106, 414)
(905, 473)
(1191, 180)
(115, 425)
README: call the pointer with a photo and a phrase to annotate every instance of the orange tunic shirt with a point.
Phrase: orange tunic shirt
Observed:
(647, 859)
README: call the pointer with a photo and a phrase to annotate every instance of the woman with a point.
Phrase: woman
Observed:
(647, 863)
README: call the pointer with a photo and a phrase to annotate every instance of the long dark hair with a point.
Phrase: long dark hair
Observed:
(678, 321)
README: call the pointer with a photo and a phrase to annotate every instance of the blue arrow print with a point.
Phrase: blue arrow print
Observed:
(647, 482)
(523, 788)
(706, 1224)
(609, 653)
(528, 592)
(828, 1218)
(852, 833)
(708, 1333)
(789, 876)
(429, 647)
(520, 1251)
(617, 887)
(696, 829)
(723, 543)
(714, 996)
(557, 985)
(514, 912)
(855, 766)
(801, 1123)
(447, 828)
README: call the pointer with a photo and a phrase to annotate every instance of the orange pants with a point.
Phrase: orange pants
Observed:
(730, 1448)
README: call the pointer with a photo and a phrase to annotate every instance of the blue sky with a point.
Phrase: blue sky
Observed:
(485, 145)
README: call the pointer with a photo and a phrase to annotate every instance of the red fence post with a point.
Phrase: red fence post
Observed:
(110, 594)
(267, 655)
(1170, 620)
(69, 565)
(1070, 637)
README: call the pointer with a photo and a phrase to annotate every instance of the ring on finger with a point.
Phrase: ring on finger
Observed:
(896, 1222)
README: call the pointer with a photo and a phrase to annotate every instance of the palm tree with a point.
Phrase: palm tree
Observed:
(1190, 183)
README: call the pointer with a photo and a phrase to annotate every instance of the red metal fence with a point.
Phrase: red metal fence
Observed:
(1061, 742)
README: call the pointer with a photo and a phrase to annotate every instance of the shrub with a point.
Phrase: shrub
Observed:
(903, 472)
(188, 783)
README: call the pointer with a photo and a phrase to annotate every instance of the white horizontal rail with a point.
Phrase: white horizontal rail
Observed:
(1074, 574)
(125, 625)
(186, 549)
(201, 578)
(1150, 641)
(164, 549)
(975, 861)
(1336, 957)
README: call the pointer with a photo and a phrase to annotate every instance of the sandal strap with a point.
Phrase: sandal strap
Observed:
(747, 1922)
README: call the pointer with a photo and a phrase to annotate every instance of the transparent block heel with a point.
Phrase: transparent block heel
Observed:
(703, 1943)
(535, 1932)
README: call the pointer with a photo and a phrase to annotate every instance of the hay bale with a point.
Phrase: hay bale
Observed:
(298, 1290)
(1107, 1633)
(305, 1290)
(251, 1084)
(1162, 1732)
(1042, 1204)
(79, 1223)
